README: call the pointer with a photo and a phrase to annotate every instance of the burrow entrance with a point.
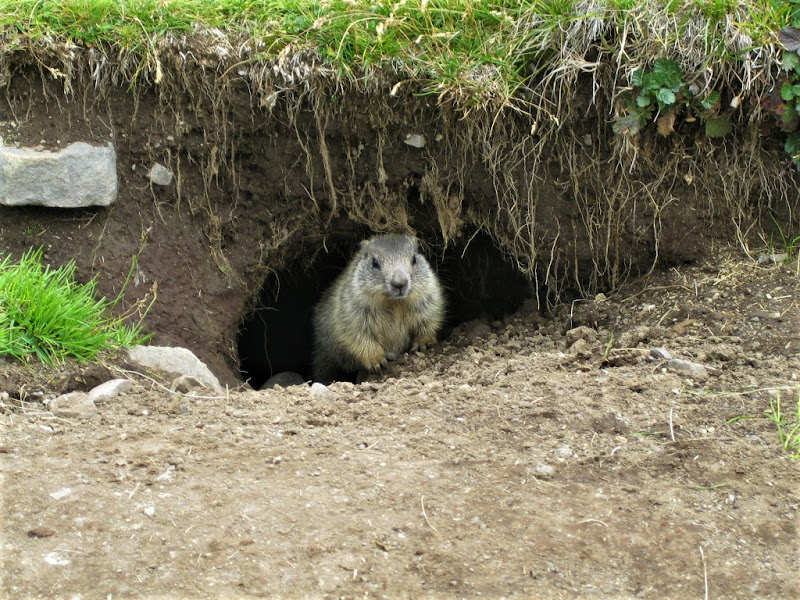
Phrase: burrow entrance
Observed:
(276, 335)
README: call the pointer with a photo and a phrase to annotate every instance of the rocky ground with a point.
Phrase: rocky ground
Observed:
(530, 458)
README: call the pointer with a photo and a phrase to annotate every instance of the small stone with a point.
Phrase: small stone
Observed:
(543, 470)
(660, 353)
(417, 140)
(320, 391)
(160, 175)
(62, 493)
(109, 389)
(56, 559)
(687, 367)
(772, 258)
(563, 453)
(149, 511)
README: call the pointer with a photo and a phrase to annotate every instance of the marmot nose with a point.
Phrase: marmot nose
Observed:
(399, 285)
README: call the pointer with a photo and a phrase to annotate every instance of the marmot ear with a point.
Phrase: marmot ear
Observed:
(362, 246)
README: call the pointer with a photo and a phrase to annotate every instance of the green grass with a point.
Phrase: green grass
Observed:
(44, 313)
(787, 425)
(474, 48)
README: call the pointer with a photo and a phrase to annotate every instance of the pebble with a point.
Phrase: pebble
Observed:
(563, 453)
(62, 493)
(320, 391)
(544, 470)
(109, 389)
(149, 511)
(160, 175)
(685, 366)
(660, 353)
(56, 559)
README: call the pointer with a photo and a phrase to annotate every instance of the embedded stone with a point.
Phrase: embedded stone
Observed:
(80, 175)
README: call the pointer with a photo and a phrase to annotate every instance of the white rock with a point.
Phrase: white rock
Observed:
(77, 176)
(62, 493)
(56, 559)
(320, 391)
(160, 175)
(417, 140)
(176, 361)
(109, 389)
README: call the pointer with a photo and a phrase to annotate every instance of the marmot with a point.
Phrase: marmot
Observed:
(387, 301)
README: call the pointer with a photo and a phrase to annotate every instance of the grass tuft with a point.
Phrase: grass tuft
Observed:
(46, 314)
(787, 425)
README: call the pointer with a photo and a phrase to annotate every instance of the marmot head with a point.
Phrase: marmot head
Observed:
(391, 264)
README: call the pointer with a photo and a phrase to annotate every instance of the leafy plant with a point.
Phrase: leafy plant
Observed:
(784, 102)
(788, 432)
(45, 313)
(661, 93)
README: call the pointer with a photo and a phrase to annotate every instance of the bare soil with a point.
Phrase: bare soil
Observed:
(511, 461)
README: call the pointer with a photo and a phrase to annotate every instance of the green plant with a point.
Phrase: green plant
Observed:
(784, 101)
(788, 432)
(788, 244)
(661, 93)
(45, 313)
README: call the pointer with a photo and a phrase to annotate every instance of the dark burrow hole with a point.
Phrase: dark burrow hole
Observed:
(276, 336)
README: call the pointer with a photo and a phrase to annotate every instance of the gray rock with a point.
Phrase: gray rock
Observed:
(77, 176)
(74, 404)
(160, 175)
(176, 361)
(774, 258)
(687, 367)
(109, 389)
(660, 353)
(283, 379)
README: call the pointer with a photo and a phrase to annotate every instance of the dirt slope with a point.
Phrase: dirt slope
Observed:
(502, 464)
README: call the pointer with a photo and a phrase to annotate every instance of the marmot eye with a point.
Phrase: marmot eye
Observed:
(414, 259)
(375, 263)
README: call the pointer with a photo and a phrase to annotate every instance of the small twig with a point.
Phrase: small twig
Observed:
(671, 429)
(594, 521)
(424, 514)
(130, 495)
(705, 574)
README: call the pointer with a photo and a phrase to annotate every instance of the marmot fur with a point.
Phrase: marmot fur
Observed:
(387, 301)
